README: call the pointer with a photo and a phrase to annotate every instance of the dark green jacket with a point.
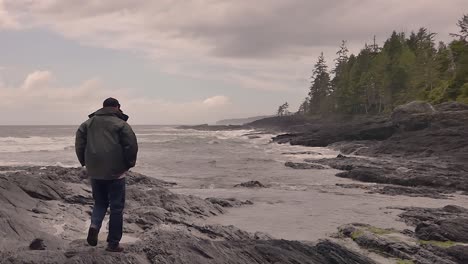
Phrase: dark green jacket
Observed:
(106, 144)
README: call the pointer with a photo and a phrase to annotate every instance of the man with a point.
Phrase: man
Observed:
(107, 146)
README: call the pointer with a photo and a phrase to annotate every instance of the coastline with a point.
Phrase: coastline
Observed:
(45, 210)
(160, 225)
(418, 151)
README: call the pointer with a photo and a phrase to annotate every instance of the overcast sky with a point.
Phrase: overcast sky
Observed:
(184, 61)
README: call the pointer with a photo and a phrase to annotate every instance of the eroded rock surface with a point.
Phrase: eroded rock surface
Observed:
(304, 166)
(251, 184)
(449, 223)
(44, 215)
(401, 247)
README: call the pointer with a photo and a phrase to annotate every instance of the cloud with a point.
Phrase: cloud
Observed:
(41, 100)
(37, 80)
(219, 100)
(6, 20)
(235, 41)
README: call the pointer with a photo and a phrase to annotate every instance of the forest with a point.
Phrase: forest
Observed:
(407, 67)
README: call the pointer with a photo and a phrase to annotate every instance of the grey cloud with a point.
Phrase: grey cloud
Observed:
(282, 28)
(263, 28)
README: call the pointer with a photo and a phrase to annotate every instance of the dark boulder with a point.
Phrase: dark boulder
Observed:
(304, 166)
(251, 184)
(460, 253)
(451, 106)
(335, 253)
(229, 202)
(37, 244)
(405, 111)
(455, 229)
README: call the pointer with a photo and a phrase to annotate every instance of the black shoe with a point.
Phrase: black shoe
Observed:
(114, 248)
(92, 236)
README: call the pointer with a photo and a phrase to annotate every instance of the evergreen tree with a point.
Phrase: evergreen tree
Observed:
(340, 80)
(459, 50)
(398, 69)
(463, 25)
(425, 73)
(342, 59)
(283, 110)
(320, 87)
(304, 107)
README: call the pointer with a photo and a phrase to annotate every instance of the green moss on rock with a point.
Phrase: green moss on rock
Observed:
(442, 244)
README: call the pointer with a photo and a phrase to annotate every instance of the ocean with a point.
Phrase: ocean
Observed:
(297, 205)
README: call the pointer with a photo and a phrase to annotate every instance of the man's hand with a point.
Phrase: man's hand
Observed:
(83, 173)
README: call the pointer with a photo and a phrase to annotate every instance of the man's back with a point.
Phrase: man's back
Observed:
(106, 144)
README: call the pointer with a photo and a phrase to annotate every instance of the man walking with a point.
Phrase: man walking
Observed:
(107, 146)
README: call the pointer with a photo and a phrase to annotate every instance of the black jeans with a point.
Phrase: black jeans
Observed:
(109, 193)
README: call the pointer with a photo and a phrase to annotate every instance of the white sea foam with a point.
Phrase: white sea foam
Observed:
(35, 143)
(231, 134)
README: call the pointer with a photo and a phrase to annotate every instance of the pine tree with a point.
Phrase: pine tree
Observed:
(283, 109)
(340, 81)
(401, 58)
(304, 107)
(425, 71)
(320, 87)
(342, 59)
(463, 25)
(459, 50)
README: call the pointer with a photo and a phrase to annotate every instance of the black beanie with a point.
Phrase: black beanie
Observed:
(111, 102)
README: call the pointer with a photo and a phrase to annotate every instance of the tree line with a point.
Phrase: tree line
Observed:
(406, 68)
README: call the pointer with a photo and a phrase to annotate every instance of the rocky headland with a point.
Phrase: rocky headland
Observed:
(420, 146)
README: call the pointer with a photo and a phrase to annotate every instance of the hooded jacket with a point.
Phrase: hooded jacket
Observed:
(106, 144)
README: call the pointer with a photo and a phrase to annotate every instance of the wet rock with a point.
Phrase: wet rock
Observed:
(416, 215)
(404, 112)
(262, 236)
(206, 127)
(415, 130)
(167, 227)
(451, 106)
(385, 243)
(335, 253)
(351, 147)
(304, 166)
(460, 253)
(393, 190)
(365, 175)
(427, 174)
(449, 223)
(251, 184)
(229, 202)
(455, 229)
(79, 199)
(302, 153)
(411, 192)
(158, 250)
(37, 244)
(354, 186)
(40, 188)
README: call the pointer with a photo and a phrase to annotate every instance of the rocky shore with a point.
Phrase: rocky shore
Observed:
(44, 214)
(418, 146)
(419, 150)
